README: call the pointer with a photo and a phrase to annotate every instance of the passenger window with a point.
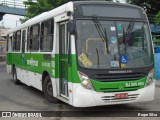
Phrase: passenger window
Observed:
(46, 41)
(23, 40)
(13, 42)
(17, 41)
(9, 44)
(34, 38)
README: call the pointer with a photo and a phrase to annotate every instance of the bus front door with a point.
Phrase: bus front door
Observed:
(63, 59)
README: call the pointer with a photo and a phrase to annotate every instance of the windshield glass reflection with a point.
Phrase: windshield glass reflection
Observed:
(113, 44)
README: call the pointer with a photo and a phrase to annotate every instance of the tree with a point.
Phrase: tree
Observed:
(151, 7)
(158, 18)
(36, 8)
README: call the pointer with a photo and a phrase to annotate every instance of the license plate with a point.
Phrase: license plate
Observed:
(121, 95)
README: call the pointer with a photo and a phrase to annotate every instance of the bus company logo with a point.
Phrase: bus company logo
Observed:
(45, 64)
(6, 114)
(32, 62)
(120, 71)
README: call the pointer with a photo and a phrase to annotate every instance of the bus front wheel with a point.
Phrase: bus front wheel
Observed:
(15, 80)
(48, 90)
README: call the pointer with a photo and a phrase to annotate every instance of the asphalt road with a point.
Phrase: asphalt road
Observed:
(25, 98)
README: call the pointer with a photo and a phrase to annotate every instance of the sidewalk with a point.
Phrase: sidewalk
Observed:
(157, 83)
(2, 64)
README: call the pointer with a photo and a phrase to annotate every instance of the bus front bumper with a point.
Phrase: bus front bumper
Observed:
(85, 98)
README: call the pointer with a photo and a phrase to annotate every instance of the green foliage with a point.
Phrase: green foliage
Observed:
(151, 6)
(158, 18)
(36, 8)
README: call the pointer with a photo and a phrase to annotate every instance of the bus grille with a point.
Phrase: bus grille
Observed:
(117, 77)
(120, 90)
(131, 97)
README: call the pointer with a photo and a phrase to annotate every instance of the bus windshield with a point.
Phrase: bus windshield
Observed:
(113, 44)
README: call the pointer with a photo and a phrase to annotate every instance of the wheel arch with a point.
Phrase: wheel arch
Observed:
(13, 66)
(44, 75)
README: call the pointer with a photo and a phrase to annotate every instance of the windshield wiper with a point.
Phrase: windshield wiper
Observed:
(127, 34)
(98, 57)
(105, 33)
(98, 27)
(125, 42)
(101, 31)
(129, 29)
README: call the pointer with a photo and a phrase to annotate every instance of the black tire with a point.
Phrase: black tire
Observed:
(48, 90)
(15, 80)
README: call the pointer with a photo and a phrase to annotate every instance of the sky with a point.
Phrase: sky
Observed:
(11, 21)
(122, 1)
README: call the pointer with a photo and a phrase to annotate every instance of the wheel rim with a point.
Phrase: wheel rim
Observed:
(49, 89)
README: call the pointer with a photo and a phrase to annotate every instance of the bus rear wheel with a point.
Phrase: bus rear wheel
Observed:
(15, 80)
(48, 90)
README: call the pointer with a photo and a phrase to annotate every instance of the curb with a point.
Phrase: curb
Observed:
(2, 64)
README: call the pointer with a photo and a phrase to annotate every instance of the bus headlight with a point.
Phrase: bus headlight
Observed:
(85, 82)
(150, 78)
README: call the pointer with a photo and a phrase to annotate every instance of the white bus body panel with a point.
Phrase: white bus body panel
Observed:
(81, 97)
(86, 98)
(9, 69)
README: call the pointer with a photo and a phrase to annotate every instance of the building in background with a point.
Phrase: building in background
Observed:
(3, 36)
(3, 32)
(155, 29)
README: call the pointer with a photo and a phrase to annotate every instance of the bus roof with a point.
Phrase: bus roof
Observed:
(62, 9)
(106, 2)
(44, 16)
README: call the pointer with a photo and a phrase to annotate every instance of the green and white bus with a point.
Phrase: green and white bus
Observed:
(86, 53)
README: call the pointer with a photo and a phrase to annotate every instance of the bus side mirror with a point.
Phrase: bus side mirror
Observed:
(71, 27)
